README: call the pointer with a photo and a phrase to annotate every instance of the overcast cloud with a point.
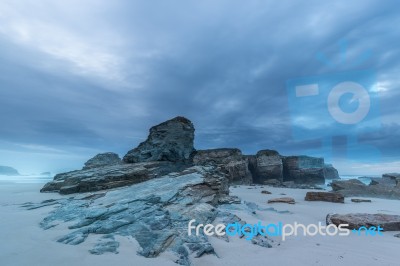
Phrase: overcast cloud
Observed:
(82, 77)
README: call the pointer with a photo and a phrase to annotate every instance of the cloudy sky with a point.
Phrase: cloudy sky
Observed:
(82, 77)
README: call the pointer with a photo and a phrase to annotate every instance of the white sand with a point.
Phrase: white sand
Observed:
(23, 242)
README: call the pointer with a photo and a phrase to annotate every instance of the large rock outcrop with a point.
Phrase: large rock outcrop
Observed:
(303, 169)
(266, 165)
(102, 159)
(6, 170)
(170, 141)
(231, 161)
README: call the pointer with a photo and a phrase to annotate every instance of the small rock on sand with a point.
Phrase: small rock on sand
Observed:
(360, 200)
(282, 200)
(324, 196)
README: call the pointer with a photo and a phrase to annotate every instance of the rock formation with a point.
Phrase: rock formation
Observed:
(330, 172)
(170, 141)
(155, 212)
(265, 165)
(169, 148)
(354, 187)
(230, 160)
(102, 159)
(107, 177)
(162, 184)
(304, 169)
(6, 170)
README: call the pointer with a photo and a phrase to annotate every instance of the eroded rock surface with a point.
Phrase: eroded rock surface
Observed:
(356, 220)
(354, 187)
(102, 159)
(324, 196)
(230, 160)
(288, 200)
(155, 212)
(171, 141)
(107, 177)
(304, 169)
(330, 172)
(266, 165)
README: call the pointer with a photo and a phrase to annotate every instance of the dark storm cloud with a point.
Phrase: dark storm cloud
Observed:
(98, 76)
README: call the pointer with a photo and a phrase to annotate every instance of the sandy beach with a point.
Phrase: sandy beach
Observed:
(25, 243)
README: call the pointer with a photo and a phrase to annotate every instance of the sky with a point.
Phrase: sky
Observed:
(82, 77)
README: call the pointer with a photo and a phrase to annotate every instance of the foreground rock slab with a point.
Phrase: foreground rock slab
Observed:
(108, 177)
(357, 220)
(155, 213)
(324, 196)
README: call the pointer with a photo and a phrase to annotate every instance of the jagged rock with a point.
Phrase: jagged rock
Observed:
(107, 177)
(6, 170)
(265, 165)
(351, 184)
(303, 169)
(105, 244)
(390, 180)
(171, 141)
(230, 160)
(360, 200)
(282, 200)
(354, 187)
(392, 175)
(357, 220)
(155, 212)
(383, 181)
(324, 196)
(102, 159)
(330, 172)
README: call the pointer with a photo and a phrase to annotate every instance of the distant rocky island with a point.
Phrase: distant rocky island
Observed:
(7, 170)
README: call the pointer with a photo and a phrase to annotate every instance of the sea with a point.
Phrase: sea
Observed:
(26, 179)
